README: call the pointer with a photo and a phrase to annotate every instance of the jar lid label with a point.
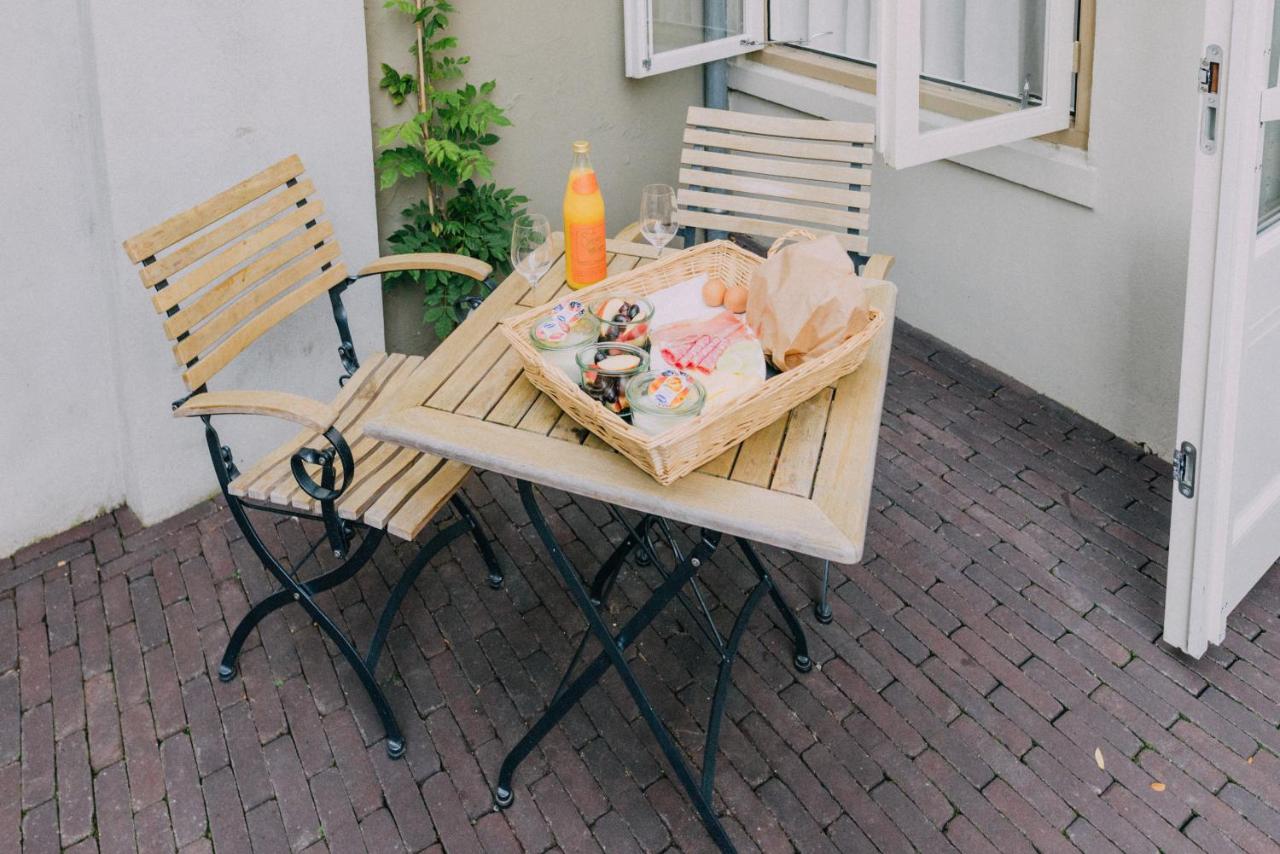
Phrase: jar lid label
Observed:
(551, 331)
(568, 312)
(669, 389)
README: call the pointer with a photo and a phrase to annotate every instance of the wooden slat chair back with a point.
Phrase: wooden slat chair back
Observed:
(228, 270)
(223, 274)
(762, 176)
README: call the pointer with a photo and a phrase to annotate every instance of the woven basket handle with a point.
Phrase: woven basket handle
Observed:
(788, 235)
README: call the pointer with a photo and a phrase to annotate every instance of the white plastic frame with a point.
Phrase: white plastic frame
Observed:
(899, 136)
(641, 61)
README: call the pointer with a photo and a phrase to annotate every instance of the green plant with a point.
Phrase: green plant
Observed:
(444, 145)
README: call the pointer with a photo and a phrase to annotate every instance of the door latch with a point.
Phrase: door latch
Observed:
(1184, 469)
(1210, 86)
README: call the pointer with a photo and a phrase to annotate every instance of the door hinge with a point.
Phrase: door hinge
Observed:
(1184, 469)
(1210, 85)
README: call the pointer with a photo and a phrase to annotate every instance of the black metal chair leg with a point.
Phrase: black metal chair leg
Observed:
(407, 579)
(395, 740)
(277, 600)
(822, 608)
(302, 594)
(800, 643)
(227, 667)
(481, 539)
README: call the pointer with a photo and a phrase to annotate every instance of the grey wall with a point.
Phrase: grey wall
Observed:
(559, 68)
(123, 113)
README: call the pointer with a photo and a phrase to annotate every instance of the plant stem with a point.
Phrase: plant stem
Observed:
(423, 86)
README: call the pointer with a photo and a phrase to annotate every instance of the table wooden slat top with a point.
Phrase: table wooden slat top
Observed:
(803, 483)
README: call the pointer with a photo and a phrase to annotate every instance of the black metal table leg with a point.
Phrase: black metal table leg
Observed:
(822, 608)
(613, 656)
(603, 579)
(800, 644)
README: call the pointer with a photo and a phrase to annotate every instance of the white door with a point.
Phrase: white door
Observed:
(1226, 511)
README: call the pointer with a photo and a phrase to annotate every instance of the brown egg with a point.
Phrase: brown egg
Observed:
(713, 291)
(735, 299)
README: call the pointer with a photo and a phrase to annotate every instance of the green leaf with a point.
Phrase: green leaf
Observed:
(447, 146)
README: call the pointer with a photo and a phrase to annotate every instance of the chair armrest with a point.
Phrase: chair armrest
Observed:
(289, 407)
(878, 267)
(478, 270)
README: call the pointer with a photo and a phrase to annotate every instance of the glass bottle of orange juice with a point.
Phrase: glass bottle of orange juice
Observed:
(583, 222)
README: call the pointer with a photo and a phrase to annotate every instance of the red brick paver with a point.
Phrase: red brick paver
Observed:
(1003, 627)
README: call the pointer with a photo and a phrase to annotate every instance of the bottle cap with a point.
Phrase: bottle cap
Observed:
(581, 147)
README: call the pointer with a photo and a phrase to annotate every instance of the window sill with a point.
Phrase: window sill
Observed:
(1057, 170)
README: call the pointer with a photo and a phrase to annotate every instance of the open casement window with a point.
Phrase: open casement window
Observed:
(1023, 49)
(664, 35)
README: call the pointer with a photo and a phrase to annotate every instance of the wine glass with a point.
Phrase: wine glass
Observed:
(658, 214)
(532, 251)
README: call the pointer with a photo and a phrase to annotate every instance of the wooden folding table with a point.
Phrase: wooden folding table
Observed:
(803, 484)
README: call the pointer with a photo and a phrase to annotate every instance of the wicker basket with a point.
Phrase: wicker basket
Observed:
(673, 454)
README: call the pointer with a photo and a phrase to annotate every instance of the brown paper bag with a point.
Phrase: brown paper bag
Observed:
(805, 299)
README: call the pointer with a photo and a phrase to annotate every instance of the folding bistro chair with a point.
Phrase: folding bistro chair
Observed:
(224, 273)
(764, 176)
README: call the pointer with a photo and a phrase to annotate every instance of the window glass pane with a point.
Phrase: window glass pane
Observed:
(1275, 45)
(681, 23)
(995, 47)
(991, 46)
(1269, 197)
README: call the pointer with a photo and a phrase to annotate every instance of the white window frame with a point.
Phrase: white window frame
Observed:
(899, 135)
(641, 61)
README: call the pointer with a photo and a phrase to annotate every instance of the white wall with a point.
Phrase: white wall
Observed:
(129, 115)
(1083, 304)
(59, 413)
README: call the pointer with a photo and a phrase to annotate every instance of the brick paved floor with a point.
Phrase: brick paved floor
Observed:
(1002, 629)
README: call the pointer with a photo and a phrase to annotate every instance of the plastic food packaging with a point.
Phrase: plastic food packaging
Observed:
(661, 400)
(560, 333)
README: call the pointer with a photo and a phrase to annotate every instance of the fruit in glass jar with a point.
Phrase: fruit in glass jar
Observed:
(611, 307)
(605, 370)
(619, 362)
(633, 333)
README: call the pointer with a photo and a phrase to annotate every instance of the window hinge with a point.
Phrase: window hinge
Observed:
(1075, 58)
(1184, 469)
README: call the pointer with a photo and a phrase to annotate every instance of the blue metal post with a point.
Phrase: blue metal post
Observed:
(715, 75)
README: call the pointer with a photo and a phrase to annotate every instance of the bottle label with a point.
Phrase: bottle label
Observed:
(586, 253)
(585, 183)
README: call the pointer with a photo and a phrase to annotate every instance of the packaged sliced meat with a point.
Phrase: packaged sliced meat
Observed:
(698, 344)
